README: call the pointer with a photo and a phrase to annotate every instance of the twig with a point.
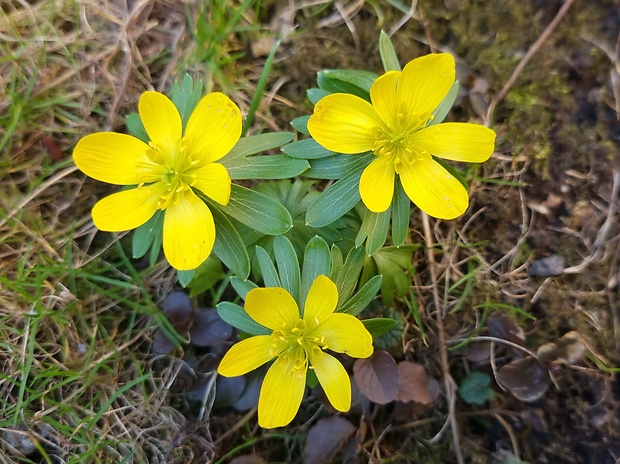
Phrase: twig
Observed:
(443, 353)
(526, 58)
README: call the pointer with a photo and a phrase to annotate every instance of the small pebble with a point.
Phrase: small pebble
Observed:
(546, 267)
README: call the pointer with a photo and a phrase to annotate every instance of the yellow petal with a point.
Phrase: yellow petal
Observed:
(272, 307)
(128, 209)
(377, 184)
(213, 128)
(344, 333)
(424, 83)
(213, 180)
(162, 122)
(281, 394)
(335, 381)
(433, 189)
(344, 123)
(246, 356)
(471, 143)
(321, 301)
(113, 158)
(189, 232)
(383, 97)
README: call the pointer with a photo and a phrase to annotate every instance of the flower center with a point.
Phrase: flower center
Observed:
(297, 345)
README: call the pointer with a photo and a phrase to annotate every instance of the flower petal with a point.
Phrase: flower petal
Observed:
(272, 307)
(213, 180)
(113, 158)
(433, 189)
(383, 96)
(246, 356)
(213, 128)
(128, 209)
(335, 381)
(457, 141)
(344, 333)
(344, 123)
(321, 301)
(281, 394)
(162, 122)
(424, 83)
(189, 232)
(377, 184)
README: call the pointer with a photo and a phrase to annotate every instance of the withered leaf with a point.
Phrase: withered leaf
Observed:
(208, 328)
(413, 383)
(377, 377)
(524, 378)
(325, 438)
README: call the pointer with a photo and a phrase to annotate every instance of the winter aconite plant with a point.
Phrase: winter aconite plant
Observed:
(167, 171)
(396, 126)
(298, 341)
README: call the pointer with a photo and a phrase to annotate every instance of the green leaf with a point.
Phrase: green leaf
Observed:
(247, 146)
(444, 107)
(401, 214)
(258, 211)
(339, 86)
(334, 202)
(337, 166)
(242, 286)
(266, 167)
(288, 265)
(375, 227)
(358, 302)
(317, 261)
(360, 79)
(236, 316)
(300, 124)
(229, 246)
(306, 149)
(391, 262)
(206, 276)
(267, 269)
(186, 96)
(185, 277)
(346, 276)
(144, 236)
(475, 388)
(136, 128)
(379, 326)
(315, 95)
(388, 54)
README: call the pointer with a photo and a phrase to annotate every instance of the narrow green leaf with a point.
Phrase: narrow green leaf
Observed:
(388, 54)
(306, 149)
(266, 167)
(236, 316)
(186, 96)
(300, 124)
(338, 86)
(334, 202)
(258, 211)
(267, 269)
(145, 235)
(401, 214)
(444, 107)
(358, 302)
(247, 146)
(229, 246)
(360, 79)
(288, 265)
(242, 286)
(317, 261)
(315, 95)
(337, 166)
(347, 278)
(375, 228)
(136, 128)
(185, 277)
(379, 326)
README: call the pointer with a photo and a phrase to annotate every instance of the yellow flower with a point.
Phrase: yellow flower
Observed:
(298, 343)
(395, 128)
(167, 171)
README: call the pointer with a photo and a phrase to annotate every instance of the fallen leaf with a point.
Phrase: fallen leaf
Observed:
(208, 328)
(325, 438)
(377, 377)
(413, 383)
(524, 378)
